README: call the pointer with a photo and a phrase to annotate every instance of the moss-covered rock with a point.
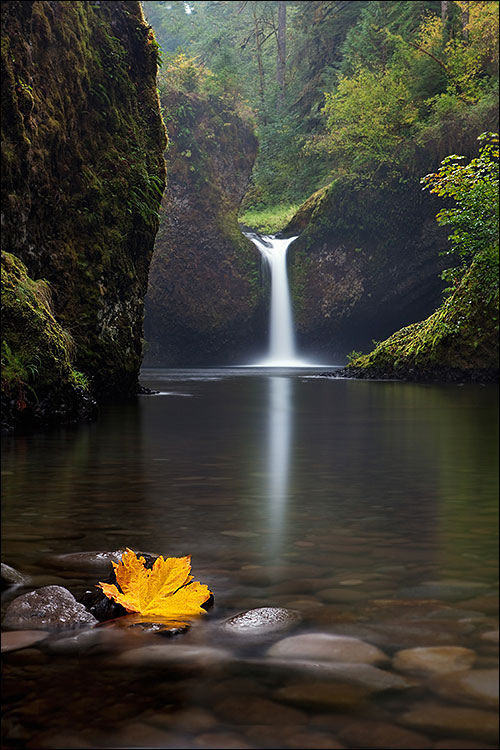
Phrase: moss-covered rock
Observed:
(83, 171)
(204, 301)
(39, 383)
(457, 342)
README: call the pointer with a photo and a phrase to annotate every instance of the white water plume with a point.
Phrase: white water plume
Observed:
(282, 352)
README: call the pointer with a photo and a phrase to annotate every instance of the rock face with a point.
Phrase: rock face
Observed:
(367, 261)
(204, 301)
(83, 173)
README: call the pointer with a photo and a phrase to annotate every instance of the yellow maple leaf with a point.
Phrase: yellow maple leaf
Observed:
(165, 590)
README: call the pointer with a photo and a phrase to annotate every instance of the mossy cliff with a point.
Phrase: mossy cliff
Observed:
(204, 301)
(369, 256)
(38, 380)
(83, 172)
(457, 342)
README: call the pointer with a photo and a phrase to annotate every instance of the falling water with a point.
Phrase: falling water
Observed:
(282, 351)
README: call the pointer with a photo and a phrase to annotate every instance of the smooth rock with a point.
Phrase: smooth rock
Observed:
(491, 636)
(477, 687)
(330, 695)
(50, 607)
(261, 623)
(172, 654)
(370, 678)
(12, 577)
(431, 660)
(326, 647)
(449, 590)
(89, 562)
(381, 735)
(222, 740)
(250, 709)
(448, 720)
(16, 639)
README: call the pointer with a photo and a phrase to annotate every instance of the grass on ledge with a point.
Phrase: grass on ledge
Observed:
(268, 220)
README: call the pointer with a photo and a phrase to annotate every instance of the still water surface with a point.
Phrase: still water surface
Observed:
(326, 496)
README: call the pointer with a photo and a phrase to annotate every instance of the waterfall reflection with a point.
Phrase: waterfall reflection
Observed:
(279, 441)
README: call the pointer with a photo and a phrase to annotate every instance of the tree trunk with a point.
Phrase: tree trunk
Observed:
(444, 10)
(281, 57)
(258, 45)
(465, 20)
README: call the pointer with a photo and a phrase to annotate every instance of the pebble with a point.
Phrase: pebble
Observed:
(222, 740)
(492, 636)
(171, 654)
(341, 595)
(478, 687)
(447, 590)
(364, 733)
(326, 695)
(430, 660)
(251, 709)
(12, 577)
(468, 722)
(261, 623)
(52, 607)
(367, 676)
(89, 562)
(326, 647)
(16, 639)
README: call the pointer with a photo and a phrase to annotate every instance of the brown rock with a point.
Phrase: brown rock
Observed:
(477, 687)
(243, 709)
(429, 660)
(330, 695)
(327, 647)
(364, 733)
(447, 720)
(16, 639)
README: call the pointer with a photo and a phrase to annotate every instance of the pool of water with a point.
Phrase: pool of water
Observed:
(368, 507)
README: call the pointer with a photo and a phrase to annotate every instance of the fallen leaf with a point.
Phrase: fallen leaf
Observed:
(166, 590)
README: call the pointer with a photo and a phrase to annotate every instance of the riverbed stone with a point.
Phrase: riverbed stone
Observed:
(431, 660)
(11, 577)
(381, 735)
(370, 678)
(490, 636)
(261, 623)
(477, 687)
(47, 608)
(251, 709)
(13, 640)
(323, 695)
(327, 647)
(449, 720)
(171, 654)
(447, 589)
(89, 562)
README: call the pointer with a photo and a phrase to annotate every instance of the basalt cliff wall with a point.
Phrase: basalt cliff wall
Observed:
(204, 304)
(83, 172)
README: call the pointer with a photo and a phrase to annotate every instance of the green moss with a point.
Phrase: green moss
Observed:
(461, 336)
(269, 220)
(36, 350)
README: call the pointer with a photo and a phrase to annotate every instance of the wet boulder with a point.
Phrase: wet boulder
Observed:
(47, 608)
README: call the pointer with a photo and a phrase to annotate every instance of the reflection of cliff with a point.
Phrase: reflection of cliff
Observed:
(204, 299)
(83, 172)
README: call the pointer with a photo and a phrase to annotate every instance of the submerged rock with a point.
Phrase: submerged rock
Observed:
(261, 623)
(326, 647)
(50, 607)
(89, 562)
(16, 639)
(12, 577)
(434, 659)
(452, 720)
(477, 687)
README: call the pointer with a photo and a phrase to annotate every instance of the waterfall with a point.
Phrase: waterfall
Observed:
(282, 351)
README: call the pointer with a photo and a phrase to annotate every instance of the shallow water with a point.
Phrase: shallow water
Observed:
(369, 507)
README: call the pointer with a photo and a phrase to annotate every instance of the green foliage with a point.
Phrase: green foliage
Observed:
(474, 190)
